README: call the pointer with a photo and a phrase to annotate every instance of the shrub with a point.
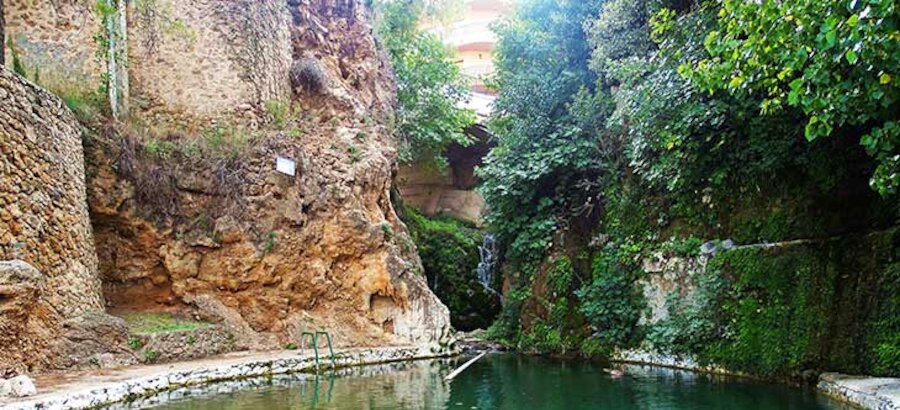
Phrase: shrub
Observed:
(150, 355)
(280, 112)
(270, 242)
(612, 302)
(135, 343)
(387, 231)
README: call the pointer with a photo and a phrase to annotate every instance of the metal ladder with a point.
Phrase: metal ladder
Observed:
(314, 336)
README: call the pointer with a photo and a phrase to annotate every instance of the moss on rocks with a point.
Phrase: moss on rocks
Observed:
(449, 251)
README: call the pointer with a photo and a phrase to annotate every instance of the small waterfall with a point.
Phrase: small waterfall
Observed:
(488, 263)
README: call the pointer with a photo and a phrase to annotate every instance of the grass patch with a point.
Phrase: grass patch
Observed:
(158, 322)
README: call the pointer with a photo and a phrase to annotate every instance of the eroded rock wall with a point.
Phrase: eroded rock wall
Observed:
(433, 192)
(195, 216)
(269, 254)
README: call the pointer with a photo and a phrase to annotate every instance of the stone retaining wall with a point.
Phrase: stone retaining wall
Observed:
(875, 393)
(184, 344)
(872, 393)
(44, 225)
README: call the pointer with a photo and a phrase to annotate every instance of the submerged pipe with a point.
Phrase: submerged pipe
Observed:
(464, 367)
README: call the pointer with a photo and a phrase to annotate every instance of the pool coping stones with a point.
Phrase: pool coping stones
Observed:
(104, 387)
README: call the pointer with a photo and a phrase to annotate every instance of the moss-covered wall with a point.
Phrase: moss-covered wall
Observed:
(830, 305)
(449, 249)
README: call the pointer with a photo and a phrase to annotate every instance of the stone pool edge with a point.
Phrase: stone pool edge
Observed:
(157, 379)
(864, 392)
(874, 393)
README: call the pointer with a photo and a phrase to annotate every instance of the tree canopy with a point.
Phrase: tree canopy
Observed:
(430, 89)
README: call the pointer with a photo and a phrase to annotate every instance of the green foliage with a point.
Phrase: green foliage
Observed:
(87, 106)
(135, 343)
(884, 340)
(689, 246)
(608, 136)
(226, 140)
(778, 307)
(150, 355)
(157, 322)
(560, 275)
(429, 86)
(830, 306)
(387, 230)
(270, 242)
(355, 152)
(160, 149)
(612, 301)
(280, 112)
(18, 65)
(619, 32)
(449, 252)
(836, 60)
(291, 346)
(507, 328)
(545, 337)
(546, 129)
(694, 321)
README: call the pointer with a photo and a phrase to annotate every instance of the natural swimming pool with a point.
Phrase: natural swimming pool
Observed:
(498, 381)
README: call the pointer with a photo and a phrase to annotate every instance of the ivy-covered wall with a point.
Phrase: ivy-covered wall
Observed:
(780, 310)
(655, 135)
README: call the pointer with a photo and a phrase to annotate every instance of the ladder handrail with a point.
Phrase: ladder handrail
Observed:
(314, 336)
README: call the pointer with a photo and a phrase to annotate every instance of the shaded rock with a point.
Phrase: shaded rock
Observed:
(94, 340)
(728, 244)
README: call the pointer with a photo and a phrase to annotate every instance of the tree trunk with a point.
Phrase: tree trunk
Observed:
(124, 86)
(112, 69)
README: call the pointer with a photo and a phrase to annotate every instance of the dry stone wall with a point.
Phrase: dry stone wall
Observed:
(208, 59)
(45, 232)
(44, 217)
(55, 41)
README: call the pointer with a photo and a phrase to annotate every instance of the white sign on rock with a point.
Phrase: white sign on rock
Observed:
(285, 166)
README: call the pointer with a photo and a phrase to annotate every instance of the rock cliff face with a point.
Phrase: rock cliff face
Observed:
(267, 253)
(49, 284)
(189, 212)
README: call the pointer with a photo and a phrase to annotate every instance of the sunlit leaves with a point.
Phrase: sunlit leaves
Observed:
(429, 85)
(834, 59)
(546, 121)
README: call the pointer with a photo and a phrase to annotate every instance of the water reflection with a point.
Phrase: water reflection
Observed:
(409, 385)
(499, 381)
(521, 382)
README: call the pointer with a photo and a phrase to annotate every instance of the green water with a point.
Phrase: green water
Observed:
(504, 381)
